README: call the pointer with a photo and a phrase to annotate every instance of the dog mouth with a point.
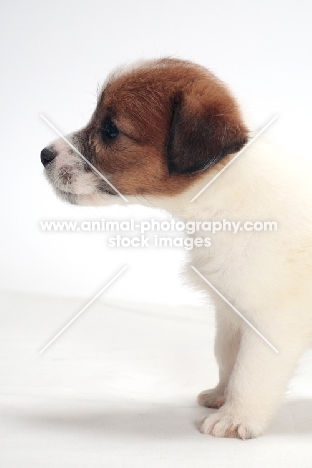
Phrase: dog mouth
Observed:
(68, 188)
(75, 182)
(106, 191)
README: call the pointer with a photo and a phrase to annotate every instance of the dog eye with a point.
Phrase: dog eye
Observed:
(109, 130)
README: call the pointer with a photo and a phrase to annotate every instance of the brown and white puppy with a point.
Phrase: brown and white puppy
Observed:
(161, 131)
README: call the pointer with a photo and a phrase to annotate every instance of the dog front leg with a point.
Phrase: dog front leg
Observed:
(227, 342)
(258, 382)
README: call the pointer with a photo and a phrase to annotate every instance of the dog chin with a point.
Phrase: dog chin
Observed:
(71, 198)
(93, 199)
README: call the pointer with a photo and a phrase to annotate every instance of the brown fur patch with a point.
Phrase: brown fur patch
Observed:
(155, 137)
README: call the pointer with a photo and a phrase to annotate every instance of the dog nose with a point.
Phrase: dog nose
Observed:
(47, 155)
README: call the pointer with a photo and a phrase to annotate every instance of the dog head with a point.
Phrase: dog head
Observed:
(157, 128)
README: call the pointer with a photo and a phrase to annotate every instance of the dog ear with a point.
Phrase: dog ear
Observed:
(202, 132)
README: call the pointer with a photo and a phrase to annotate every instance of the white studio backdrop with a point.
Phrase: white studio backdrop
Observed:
(55, 54)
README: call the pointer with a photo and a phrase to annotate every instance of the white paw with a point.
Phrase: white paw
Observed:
(212, 398)
(224, 424)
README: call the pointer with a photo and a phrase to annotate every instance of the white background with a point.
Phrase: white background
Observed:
(118, 388)
(54, 55)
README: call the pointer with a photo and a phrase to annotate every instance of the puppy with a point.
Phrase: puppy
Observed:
(163, 130)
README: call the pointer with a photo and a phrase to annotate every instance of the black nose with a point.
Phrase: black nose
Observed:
(47, 155)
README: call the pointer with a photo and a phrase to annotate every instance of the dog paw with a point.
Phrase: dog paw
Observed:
(226, 425)
(211, 398)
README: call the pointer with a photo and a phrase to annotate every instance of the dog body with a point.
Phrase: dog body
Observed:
(162, 131)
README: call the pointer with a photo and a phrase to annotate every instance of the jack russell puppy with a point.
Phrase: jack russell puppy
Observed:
(162, 131)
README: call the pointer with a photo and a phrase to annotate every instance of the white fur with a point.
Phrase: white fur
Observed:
(265, 275)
